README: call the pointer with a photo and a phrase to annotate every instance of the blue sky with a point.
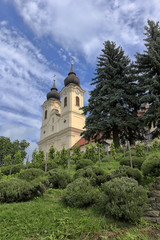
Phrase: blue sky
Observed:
(37, 40)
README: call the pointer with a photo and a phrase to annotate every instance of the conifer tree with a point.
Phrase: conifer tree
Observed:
(148, 68)
(113, 103)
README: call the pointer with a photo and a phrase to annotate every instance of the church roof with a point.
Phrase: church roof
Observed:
(53, 93)
(71, 77)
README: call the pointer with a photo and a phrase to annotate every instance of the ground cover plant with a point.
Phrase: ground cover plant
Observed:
(48, 218)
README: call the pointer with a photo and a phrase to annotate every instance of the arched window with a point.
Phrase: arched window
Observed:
(77, 101)
(65, 101)
(45, 115)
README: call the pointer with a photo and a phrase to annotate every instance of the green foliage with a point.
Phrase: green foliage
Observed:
(14, 169)
(140, 150)
(91, 152)
(114, 101)
(16, 190)
(76, 155)
(148, 65)
(124, 199)
(30, 174)
(7, 147)
(113, 150)
(80, 193)
(52, 161)
(38, 160)
(151, 166)
(155, 146)
(63, 157)
(18, 158)
(136, 161)
(84, 163)
(58, 178)
(126, 171)
(95, 175)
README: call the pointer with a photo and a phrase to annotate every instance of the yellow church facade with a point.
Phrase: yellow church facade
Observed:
(62, 120)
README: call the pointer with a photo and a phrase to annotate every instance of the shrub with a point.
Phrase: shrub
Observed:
(101, 176)
(58, 178)
(124, 199)
(84, 172)
(15, 169)
(95, 174)
(16, 190)
(126, 171)
(151, 166)
(84, 163)
(30, 174)
(80, 193)
(155, 145)
(51, 165)
(136, 161)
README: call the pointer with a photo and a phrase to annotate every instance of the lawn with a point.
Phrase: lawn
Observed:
(48, 218)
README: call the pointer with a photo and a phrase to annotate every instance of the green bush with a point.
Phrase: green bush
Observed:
(126, 171)
(95, 174)
(136, 161)
(31, 173)
(80, 193)
(84, 172)
(84, 163)
(151, 166)
(124, 199)
(51, 165)
(16, 190)
(15, 169)
(58, 178)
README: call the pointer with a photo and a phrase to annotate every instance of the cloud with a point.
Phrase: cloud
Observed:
(83, 27)
(25, 79)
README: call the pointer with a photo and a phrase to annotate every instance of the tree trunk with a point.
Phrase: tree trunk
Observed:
(130, 155)
(99, 156)
(46, 164)
(69, 162)
(116, 137)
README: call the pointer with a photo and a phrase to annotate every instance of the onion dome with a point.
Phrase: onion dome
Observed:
(72, 77)
(53, 93)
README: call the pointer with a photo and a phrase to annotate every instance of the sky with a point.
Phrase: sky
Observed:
(38, 39)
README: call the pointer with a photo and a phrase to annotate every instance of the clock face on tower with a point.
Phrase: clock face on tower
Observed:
(77, 91)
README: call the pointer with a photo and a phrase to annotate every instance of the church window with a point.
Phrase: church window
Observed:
(52, 128)
(45, 115)
(65, 101)
(77, 101)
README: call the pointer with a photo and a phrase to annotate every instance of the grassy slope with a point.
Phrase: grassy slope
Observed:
(48, 218)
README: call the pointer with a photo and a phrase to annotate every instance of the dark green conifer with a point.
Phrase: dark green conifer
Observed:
(113, 103)
(148, 69)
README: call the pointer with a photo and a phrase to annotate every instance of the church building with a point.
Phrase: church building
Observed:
(62, 120)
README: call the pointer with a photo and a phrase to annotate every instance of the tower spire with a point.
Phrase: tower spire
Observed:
(72, 64)
(54, 85)
(54, 79)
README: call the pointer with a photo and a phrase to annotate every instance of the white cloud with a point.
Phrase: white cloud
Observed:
(84, 26)
(25, 75)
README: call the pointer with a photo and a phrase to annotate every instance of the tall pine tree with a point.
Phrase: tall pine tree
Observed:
(148, 68)
(113, 103)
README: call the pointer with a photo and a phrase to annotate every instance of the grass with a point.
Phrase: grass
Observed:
(48, 218)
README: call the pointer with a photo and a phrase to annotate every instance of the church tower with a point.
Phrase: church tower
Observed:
(63, 121)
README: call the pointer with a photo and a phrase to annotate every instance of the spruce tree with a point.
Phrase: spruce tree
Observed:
(148, 68)
(113, 103)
